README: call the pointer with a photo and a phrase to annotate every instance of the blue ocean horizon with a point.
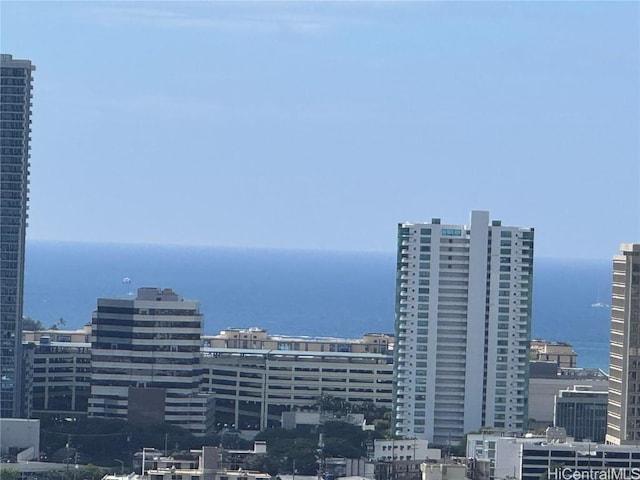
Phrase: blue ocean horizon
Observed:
(293, 292)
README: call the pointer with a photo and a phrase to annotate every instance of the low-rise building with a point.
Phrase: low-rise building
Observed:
(259, 339)
(560, 353)
(481, 449)
(570, 460)
(484, 448)
(254, 387)
(396, 470)
(200, 464)
(20, 439)
(546, 380)
(409, 449)
(582, 412)
(52, 335)
(61, 377)
(443, 471)
(57, 371)
(140, 351)
(292, 420)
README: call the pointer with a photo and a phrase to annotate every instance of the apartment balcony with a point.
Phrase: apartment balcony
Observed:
(457, 305)
(447, 415)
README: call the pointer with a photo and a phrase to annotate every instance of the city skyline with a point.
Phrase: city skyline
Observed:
(277, 125)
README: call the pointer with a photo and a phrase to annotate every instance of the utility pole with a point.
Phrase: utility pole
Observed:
(68, 444)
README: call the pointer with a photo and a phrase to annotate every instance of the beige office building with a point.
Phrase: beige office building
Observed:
(253, 375)
(623, 412)
(253, 387)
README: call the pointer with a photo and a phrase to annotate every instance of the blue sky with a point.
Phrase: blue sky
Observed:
(322, 125)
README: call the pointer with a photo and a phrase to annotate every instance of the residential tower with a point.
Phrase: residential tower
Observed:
(463, 327)
(15, 122)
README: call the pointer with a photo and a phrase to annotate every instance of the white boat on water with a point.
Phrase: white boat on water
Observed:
(599, 304)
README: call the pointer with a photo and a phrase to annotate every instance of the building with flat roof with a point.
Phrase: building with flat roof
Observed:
(623, 412)
(20, 439)
(254, 387)
(60, 378)
(463, 328)
(582, 412)
(546, 380)
(16, 76)
(565, 460)
(443, 471)
(58, 335)
(205, 463)
(561, 353)
(146, 363)
(259, 339)
(409, 449)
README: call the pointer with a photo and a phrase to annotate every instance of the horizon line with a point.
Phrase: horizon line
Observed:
(112, 243)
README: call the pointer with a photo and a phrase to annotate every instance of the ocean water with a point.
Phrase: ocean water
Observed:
(291, 292)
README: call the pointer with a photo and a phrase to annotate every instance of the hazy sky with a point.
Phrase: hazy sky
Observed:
(322, 125)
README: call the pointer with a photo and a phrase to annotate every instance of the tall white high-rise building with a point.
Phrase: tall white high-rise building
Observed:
(623, 409)
(463, 326)
(16, 77)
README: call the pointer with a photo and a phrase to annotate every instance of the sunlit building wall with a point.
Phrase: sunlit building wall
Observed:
(463, 327)
(253, 387)
(623, 410)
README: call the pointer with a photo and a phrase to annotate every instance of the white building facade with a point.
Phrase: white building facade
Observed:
(411, 449)
(463, 327)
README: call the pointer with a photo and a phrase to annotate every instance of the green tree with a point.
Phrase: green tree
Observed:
(287, 446)
(90, 472)
(31, 324)
(261, 463)
(329, 403)
(342, 439)
(9, 473)
(341, 407)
